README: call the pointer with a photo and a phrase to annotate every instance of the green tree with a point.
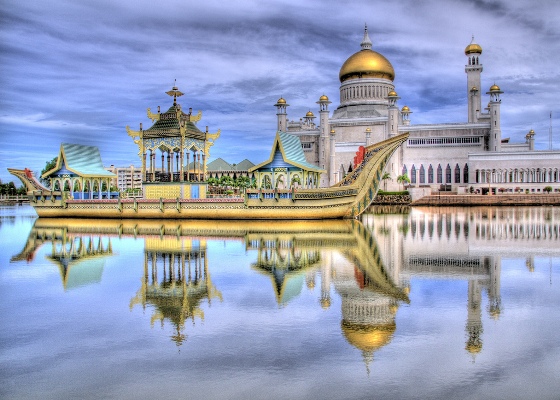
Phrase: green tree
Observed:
(547, 189)
(49, 165)
(386, 176)
(403, 179)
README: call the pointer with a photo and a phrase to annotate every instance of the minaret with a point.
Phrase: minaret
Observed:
(282, 115)
(332, 167)
(473, 68)
(393, 111)
(530, 138)
(495, 142)
(324, 138)
(405, 112)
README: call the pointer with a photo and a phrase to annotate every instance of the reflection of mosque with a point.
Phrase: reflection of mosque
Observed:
(176, 281)
(348, 259)
(79, 257)
(465, 244)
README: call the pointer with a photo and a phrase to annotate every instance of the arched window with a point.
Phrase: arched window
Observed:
(422, 174)
(439, 174)
(404, 171)
(413, 174)
(430, 174)
(466, 174)
(448, 174)
(457, 174)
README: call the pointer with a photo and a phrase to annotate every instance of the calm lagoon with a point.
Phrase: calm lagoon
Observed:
(436, 303)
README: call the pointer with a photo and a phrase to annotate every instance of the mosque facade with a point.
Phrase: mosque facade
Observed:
(463, 156)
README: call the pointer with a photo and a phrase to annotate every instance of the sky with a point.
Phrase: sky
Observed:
(81, 71)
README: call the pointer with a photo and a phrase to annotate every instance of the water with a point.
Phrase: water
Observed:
(433, 303)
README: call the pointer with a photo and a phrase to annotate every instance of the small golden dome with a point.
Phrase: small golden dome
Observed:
(366, 64)
(368, 337)
(309, 114)
(281, 101)
(494, 87)
(473, 48)
(392, 93)
(405, 109)
(474, 89)
(325, 303)
(323, 98)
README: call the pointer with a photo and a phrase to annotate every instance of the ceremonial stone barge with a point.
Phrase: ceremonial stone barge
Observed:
(287, 187)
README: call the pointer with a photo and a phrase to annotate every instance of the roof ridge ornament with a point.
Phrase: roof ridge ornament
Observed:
(366, 41)
(174, 92)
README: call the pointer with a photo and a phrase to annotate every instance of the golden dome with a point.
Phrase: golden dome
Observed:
(366, 64)
(281, 101)
(474, 89)
(368, 338)
(323, 98)
(494, 87)
(392, 93)
(473, 48)
(309, 114)
(405, 109)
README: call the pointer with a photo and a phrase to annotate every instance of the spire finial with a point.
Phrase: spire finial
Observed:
(366, 42)
(175, 92)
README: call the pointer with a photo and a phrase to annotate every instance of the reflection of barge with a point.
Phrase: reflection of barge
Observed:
(347, 199)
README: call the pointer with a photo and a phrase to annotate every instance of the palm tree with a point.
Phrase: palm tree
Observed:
(402, 179)
(384, 178)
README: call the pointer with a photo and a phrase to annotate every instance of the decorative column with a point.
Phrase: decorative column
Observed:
(188, 158)
(332, 178)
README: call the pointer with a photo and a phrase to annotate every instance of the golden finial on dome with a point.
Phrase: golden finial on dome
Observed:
(473, 48)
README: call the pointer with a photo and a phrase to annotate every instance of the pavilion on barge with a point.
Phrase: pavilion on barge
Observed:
(176, 138)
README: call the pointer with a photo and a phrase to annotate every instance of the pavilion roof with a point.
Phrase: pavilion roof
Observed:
(169, 124)
(292, 153)
(83, 160)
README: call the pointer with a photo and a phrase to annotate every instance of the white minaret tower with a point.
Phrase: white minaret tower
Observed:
(324, 143)
(281, 106)
(393, 111)
(473, 68)
(495, 142)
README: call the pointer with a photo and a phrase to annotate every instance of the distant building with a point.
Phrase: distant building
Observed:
(219, 167)
(126, 177)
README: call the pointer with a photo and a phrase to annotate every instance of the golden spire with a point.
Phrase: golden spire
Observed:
(175, 92)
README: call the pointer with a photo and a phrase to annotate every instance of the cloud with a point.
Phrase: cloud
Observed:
(93, 67)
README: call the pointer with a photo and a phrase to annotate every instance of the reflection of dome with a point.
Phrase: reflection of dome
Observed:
(368, 338)
(325, 303)
(473, 48)
(474, 348)
(366, 64)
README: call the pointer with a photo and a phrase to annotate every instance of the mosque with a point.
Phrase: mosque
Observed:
(462, 156)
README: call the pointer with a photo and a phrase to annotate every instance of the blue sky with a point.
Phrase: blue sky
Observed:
(79, 72)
